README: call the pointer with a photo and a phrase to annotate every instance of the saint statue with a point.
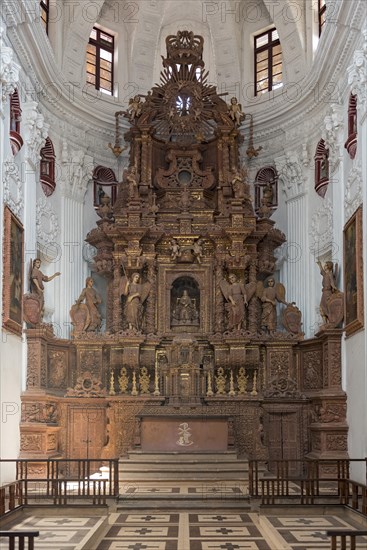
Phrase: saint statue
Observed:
(92, 299)
(237, 295)
(136, 293)
(331, 304)
(269, 296)
(36, 282)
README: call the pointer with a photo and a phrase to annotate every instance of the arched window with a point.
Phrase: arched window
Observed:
(47, 168)
(351, 143)
(266, 181)
(268, 62)
(15, 118)
(321, 14)
(321, 168)
(45, 12)
(104, 181)
(100, 59)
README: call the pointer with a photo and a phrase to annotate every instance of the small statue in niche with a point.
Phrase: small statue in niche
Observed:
(93, 319)
(235, 111)
(36, 283)
(175, 249)
(134, 108)
(136, 293)
(237, 296)
(132, 180)
(185, 312)
(269, 296)
(331, 304)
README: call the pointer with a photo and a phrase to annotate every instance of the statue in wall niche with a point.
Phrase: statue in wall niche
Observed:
(136, 293)
(235, 111)
(86, 316)
(237, 295)
(269, 296)
(332, 300)
(185, 312)
(37, 279)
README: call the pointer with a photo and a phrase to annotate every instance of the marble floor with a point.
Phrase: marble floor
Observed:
(183, 530)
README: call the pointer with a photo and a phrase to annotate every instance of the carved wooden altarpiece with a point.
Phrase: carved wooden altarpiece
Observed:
(191, 326)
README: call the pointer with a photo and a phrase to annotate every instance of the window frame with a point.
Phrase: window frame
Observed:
(45, 9)
(269, 47)
(99, 44)
(321, 10)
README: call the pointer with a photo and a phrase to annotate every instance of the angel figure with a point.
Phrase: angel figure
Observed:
(237, 295)
(329, 276)
(37, 279)
(175, 249)
(235, 111)
(269, 296)
(197, 249)
(136, 293)
(134, 107)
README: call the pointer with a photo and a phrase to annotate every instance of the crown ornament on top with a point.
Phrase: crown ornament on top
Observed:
(185, 47)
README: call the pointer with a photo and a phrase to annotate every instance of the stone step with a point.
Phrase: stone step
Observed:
(181, 457)
(192, 466)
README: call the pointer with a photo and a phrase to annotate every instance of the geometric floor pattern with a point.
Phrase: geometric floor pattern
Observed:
(216, 531)
(197, 530)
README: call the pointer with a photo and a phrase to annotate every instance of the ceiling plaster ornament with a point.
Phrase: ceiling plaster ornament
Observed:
(9, 70)
(321, 232)
(353, 191)
(291, 177)
(13, 187)
(35, 129)
(357, 74)
(47, 223)
(333, 123)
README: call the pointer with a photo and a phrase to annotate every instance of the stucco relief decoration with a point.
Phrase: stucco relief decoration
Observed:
(13, 187)
(47, 223)
(312, 369)
(321, 233)
(9, 70)
(333, 123)
(36, 131)
(353, 191)
(77, 170)
(357, 74)
(291, 177)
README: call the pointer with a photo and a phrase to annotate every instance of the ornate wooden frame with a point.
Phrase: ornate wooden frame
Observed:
(13, 252)
(353, 273)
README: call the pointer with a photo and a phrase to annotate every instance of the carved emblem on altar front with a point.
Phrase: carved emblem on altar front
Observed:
(184, 432)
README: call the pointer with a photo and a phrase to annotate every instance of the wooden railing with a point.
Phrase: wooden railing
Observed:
(64, 482)
(308, 482)
(342, 537)
(20, 538)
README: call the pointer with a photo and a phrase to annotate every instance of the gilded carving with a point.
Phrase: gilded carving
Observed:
(279, 363)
